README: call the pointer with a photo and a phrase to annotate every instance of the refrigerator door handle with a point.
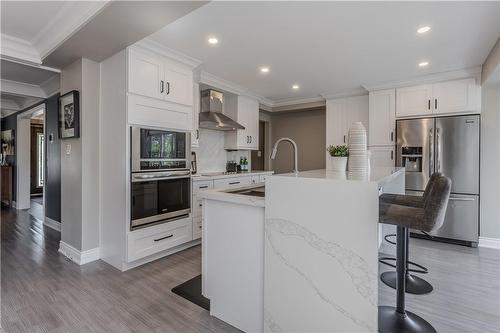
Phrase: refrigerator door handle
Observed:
(438, 153)
(431, 152)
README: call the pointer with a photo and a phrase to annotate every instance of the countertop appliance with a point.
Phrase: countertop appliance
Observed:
(450, 145)
(160, 176)
(212, 116)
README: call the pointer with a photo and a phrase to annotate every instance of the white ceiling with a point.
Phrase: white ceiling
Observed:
(332, 47)
(38, 14)
(14, 71)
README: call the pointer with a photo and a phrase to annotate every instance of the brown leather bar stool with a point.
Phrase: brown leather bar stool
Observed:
(414, 284)
(428, 218)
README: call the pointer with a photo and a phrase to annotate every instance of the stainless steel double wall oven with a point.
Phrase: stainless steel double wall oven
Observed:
(160, 176)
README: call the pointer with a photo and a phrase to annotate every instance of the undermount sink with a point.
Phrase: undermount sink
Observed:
(255, 191)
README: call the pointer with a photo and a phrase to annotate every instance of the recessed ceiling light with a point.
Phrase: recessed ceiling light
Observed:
(264, 69)
(213, 40)
(423, 64)
(424, 29)
(295, 87)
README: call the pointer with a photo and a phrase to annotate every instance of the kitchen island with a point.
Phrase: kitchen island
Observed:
(304, 258)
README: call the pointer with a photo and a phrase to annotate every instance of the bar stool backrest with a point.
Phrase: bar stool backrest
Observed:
(436, 202)
(430, 184)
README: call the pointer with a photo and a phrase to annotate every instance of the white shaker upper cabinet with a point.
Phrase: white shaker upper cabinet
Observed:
(195, 133)
(382, 117)
(178, 84)
(340, 114)
(414, 101)
(246, 113)
(145, 74)
(382, 156)
(455, 96)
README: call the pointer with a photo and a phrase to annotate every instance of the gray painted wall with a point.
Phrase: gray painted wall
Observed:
(53, 156)
(80, 168)
(307, 128)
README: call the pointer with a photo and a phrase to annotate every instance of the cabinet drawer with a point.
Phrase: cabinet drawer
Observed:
(148, 241)
(263, 178)
(255, 179)
(197, 228)
(202, 185)
(197, 206)
(232, 182)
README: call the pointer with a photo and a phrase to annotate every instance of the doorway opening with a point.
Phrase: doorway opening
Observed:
(31, 162)
(260, 158)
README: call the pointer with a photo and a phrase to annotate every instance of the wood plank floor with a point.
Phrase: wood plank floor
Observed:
(44, 292)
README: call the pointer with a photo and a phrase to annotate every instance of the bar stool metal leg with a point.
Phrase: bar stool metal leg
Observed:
(414, 284)
(397, 319)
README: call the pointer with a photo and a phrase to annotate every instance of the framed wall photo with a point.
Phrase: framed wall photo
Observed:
(69, 115)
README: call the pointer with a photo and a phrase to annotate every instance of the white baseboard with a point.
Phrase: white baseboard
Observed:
(492, 243)
(52, 224)
(77, 256)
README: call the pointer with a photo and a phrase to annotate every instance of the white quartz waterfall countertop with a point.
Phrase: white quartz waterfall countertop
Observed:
(226, 195)
(381, 175)
(220, 175)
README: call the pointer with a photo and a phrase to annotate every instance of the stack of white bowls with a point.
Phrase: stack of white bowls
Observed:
(358, 155)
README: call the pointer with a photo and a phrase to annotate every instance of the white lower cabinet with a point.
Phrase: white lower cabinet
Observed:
(232, 182)
(144, 242)
(382, 156)
(197, 228)
(262, 178)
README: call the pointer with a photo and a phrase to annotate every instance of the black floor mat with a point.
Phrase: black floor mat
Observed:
(191, 290)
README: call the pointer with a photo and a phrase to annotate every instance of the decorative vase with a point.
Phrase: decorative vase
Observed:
(339, 163)
(358, 156)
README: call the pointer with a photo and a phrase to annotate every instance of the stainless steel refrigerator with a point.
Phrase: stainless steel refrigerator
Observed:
(449, 145)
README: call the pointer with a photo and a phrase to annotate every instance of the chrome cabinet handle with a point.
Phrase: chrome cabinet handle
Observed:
(344, 138)
(429, 104)
(392, 155)
(162, 86)
(162, 238)
(392, 136)
(168, 87)
(197, 134)
(204, 186)
(234, 183)
(435, 104)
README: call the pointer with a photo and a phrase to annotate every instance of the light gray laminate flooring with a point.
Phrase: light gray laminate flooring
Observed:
(44, 292)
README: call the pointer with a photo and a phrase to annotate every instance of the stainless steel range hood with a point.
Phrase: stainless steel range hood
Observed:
(211, 116)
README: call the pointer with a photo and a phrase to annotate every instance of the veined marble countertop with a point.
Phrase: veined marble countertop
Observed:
(214, 175)
(381, 175)
(224, 195)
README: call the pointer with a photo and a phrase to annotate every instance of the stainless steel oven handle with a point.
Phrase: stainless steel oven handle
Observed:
(161, 176)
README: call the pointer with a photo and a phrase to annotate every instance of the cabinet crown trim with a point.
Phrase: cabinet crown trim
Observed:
(431, 78)
(154, 46)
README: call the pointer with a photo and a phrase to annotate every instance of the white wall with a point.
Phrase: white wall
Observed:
(80, 168)
(490, 162)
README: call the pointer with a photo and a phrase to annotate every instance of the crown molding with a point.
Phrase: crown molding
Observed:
(157, 47)
(16, 48)
(51, 86)
(69, 19)
(289, 101)
(21, 89)
(217, 82)
(352, 93)
(431, 78)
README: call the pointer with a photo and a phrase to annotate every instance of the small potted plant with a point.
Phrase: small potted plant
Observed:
(339, 156)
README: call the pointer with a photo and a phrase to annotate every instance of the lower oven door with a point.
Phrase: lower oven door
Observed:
(174, 197)
(160, 197)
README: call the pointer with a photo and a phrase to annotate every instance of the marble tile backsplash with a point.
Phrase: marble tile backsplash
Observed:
(211, 155)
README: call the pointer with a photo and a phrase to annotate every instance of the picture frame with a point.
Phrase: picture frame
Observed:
(69, 115)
